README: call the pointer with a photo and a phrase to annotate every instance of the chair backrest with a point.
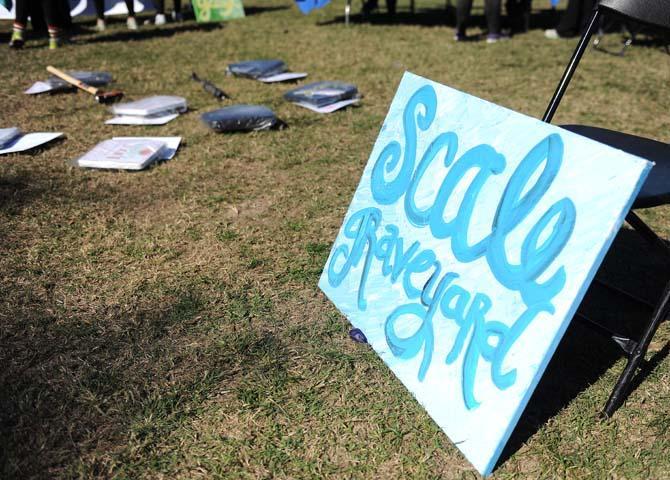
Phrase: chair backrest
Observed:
(653, 12)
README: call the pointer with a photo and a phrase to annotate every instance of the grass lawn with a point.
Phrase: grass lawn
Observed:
(167, 324)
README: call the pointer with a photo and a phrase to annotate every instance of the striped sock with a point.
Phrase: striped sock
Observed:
(18, 29)
(17, 36)
(54, 37)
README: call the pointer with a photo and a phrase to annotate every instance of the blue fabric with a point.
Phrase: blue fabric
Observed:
(320, 94)
(307, 6)
(257, 68)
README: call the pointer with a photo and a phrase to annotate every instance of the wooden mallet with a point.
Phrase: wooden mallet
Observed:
(100, 96)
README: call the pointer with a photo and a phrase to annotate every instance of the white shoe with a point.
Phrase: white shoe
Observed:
(160, 19)
(100, 25)
(551, 34)
(131, 23)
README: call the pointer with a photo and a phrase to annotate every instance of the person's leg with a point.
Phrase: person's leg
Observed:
(52, 15)
(369, 6)
(568, 26)
(463, 9)
(518, 14)
(65, 17)
(130, 5)
(131, 22)
(99, 8)
(177, 6)
(160, 12)
(585, 14)
(492, 12)
(100, 24)
(20, 22)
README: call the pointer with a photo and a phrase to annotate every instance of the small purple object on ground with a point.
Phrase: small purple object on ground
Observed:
(357, 335)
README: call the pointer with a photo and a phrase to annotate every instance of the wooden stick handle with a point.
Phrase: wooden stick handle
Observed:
(72, 81)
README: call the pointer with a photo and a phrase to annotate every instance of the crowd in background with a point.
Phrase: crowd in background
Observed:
(56, 16)
(572, 22)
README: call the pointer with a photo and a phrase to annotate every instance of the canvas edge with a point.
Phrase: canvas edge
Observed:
(646, 167)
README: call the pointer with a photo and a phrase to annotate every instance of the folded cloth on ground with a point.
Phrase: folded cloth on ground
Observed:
(320, 94)
(152, 106)
(257, 68)
(242, 118)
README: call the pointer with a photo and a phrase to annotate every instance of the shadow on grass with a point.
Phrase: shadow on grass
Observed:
(585, 354)
(119, 376)
(249, 11)
(150, 32)
(438, 17)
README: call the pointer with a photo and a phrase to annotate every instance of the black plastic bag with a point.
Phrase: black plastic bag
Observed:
(242, 118)
(320, 94)
(257, 68)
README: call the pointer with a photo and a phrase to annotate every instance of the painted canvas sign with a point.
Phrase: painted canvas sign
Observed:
(468, 246)
(307, 6)
(217, 10)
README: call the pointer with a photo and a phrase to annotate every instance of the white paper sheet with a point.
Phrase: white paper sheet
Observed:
(39, 87)
(150, 106)
(171, 145)
(127, 154)
(29, 141)
(329, 108)
(133, 120)
(283, 77)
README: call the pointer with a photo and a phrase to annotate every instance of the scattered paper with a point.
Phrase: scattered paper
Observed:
(39, 87)
(329, 108)
(168, 152)
(152, 106)
(283, 77)
(135, 120)
(125, 154)
(29, 141)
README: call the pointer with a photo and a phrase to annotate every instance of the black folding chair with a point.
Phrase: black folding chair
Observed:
(654, 192)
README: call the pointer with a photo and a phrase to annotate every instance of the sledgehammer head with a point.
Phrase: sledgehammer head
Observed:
(109, 97)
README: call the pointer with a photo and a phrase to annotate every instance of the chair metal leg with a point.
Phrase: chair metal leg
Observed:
(572, 66)
(621, 388)
(347, 12)
(661, 311)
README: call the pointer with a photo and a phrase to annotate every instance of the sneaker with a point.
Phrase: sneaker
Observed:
(177, 17)
(460, 37)
(100, 25)
(131, 23)
(496, 37)
(160, 19)
(16, 41)
(551, 34)
(54, 43)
